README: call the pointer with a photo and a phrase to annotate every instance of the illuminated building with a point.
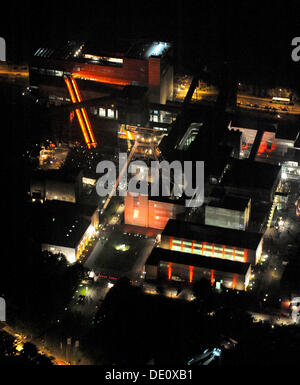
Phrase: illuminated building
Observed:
(136, 63)
(63, 227)
(153, 212)
(212, 241)
(173, 266)
(278, 141)
(54, 185)
(232, 213)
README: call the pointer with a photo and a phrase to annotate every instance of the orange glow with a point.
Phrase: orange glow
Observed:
(181, 246)
(223, 252)
(193, 246)
(191, 274)
(213, 250)
(234, 281)
(233, 254)
(245, 255)
(171, 243)
(125, 132)
(85, 116)
(203, 247)
(212, 277)
(169, 271)
(78, 113)
(89, 75)
(264, 148)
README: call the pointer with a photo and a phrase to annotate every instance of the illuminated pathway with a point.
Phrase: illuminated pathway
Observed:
(81, 113)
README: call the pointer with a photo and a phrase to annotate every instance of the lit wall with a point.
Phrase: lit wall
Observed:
(136, 210)
(212, 249)
(230, 219)
(83, 243)
(173, 272)
(139, 211)
(68, 252)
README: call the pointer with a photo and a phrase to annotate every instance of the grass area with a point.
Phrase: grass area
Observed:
(120, 252)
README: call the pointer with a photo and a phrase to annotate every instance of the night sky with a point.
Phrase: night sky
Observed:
(255, 35)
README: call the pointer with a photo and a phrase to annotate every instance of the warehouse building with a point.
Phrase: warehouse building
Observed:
(173, 266)
(64, 227)
(212, 241)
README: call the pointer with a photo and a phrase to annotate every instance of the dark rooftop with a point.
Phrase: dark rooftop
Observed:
(60, 223)
(213, 234)
(251, 174)
(63, 175)
(232, 203)
(218, 264)
(286, 130)
(245, 120)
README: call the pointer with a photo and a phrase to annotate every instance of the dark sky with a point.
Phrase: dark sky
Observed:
(255, 34)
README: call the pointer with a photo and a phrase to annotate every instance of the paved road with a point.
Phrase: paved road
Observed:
(22, 338)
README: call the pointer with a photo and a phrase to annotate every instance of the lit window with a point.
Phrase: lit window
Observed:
(110, 113)
(135, 214)
(102, 112)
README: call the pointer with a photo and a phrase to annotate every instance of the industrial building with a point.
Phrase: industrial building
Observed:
(64, 227)
(174, 266)
(212, 241)
(278, 139)
(252, 179)
(139, 63)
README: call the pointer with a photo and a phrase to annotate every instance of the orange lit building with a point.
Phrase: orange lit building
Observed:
(211, 241)
(136, 63)
(173, 266)
(153, 212)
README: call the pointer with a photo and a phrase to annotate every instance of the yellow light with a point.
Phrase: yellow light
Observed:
(19, 347)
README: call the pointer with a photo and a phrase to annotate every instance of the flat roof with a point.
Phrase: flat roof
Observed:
(205, 262)
(212, 234)
(252, 122)
(61, 175)
(250, 174)
(59, 223)
(231, 202)
(286, 130)
(110, 48)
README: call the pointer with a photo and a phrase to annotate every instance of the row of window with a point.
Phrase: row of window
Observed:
(209, 250)
(106, 113)
(45, 71)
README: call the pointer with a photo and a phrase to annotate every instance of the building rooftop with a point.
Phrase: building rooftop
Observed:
(218, 264)
(111, 51)
(286, 130)
(212, 234)
(250, 174)
(245, 120)
(59, 223)
(231, 202)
